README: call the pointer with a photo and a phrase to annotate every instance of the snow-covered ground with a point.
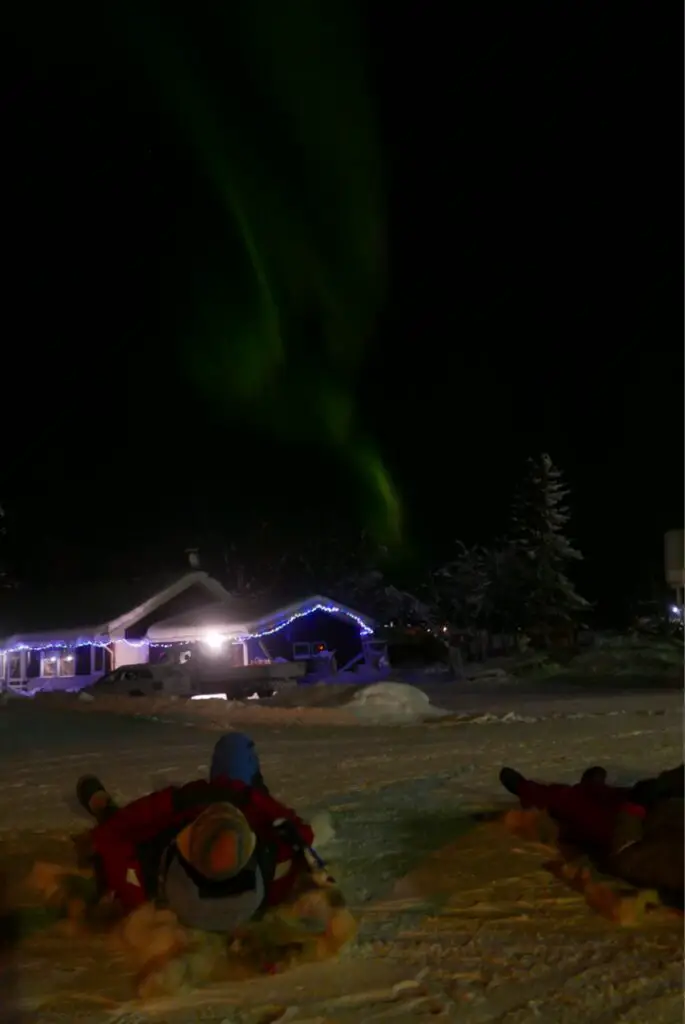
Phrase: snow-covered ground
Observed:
(457, 918)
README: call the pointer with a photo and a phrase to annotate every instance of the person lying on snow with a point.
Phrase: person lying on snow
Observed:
(635, 833)
(215, 852)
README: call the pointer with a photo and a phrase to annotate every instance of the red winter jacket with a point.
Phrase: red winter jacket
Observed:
(587, 811)
(130, 844)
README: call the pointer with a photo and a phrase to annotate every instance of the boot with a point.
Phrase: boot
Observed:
(511, 780)
(94, 798)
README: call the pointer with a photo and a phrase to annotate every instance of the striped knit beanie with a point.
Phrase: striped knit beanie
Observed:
(219, 843)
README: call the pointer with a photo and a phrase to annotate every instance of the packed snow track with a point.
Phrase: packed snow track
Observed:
(459, 921)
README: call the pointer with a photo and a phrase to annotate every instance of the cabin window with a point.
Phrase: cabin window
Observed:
(14, 666)
(57, 663)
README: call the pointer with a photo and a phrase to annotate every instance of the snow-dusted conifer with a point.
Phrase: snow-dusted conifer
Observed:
(538, 524)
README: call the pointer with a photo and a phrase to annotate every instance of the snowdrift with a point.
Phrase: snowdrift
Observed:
(369, 702)
(624, 656)
(393, 701)
(319, 704)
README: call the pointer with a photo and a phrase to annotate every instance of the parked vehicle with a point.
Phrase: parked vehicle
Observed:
(144, 681)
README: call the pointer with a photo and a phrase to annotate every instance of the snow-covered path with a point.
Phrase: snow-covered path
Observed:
(464, 917)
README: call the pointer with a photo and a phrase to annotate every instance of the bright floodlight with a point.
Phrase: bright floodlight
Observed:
(215, 641)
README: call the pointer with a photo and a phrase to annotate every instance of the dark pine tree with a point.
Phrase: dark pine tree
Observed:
(548, 600)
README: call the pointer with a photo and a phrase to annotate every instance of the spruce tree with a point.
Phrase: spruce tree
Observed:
(547, 597)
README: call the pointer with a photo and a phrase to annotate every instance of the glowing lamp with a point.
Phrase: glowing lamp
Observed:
(215, 641)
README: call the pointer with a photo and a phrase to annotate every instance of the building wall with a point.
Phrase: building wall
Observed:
(202, 664)
(27, 670)
(126, 654)
(88, 668)
(339, 635)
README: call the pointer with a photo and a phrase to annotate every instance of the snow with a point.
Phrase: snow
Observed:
(459, 919)
(388, 701)
(378, 699)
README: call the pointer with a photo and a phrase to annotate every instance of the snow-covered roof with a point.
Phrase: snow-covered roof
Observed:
(235, 617)
(93, 609)
(220, 618)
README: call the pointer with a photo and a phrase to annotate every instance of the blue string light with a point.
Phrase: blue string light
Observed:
(330, 609)
(70, 645)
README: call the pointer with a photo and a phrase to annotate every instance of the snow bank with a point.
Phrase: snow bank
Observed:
(631, 655)
(377, 702)
(320, 704)
(508, 719)
(489, 675)
(383, 701)
(388, 703)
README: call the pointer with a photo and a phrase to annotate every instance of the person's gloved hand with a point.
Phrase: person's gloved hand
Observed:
(666, 786)
(290, 833)
(646, 792)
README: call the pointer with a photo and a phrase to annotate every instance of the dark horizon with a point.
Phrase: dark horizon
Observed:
(530, 305)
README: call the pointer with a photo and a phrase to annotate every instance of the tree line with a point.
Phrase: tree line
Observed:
(518, 584)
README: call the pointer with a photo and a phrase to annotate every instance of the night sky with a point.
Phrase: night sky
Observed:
(531, 297)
